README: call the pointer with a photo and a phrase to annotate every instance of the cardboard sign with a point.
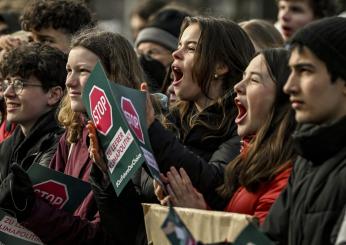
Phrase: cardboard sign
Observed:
(252, 236)
(119, 115)
(175, 229)
(60, 190)
(12, 233)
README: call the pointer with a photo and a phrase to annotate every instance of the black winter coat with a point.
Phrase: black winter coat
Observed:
(202, 152)
(38, 147)
(307, 210)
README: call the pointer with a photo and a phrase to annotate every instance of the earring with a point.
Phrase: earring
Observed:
(216, 76)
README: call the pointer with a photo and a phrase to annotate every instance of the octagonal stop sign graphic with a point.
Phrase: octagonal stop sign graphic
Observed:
(101, 110)
(132, 118)
(54, 192)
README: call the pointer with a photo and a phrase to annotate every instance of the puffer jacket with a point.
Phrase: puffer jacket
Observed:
(307, 210)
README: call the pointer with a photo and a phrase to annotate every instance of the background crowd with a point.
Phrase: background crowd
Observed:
(245, 117)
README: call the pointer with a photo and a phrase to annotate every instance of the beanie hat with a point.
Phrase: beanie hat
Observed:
(164, 29)
(326, 38)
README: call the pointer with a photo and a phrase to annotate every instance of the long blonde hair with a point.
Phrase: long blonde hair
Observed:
(120, 62)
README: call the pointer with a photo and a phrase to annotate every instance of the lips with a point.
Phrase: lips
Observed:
(296, 103)
(10, 106)
(74, 93)
(287, 31)
(177, 75)
(242, 111)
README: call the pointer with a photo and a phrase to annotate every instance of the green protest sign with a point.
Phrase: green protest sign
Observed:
(12, 233)
(252, 236)
(60, 190)
(119, 115)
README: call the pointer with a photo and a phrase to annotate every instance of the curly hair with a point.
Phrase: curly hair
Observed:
(69, 16)
(47, 64)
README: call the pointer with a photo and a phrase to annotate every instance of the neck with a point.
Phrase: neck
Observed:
(26, 128)
(215, 92)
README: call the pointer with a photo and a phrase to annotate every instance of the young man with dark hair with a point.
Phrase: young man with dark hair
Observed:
(33, 84)
(54, 22)
(307, 210)
(294, 14)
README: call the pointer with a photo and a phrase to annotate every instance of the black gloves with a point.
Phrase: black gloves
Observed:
(16, 193)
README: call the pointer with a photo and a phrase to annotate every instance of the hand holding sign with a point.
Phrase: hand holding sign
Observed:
(95, 151)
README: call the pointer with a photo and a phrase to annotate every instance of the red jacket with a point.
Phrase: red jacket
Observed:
(259, 202)
(55, 226)
(6, 130)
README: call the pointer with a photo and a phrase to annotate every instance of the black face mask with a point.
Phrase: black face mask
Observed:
(155, 72)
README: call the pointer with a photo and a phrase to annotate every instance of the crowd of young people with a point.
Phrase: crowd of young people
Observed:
(257, 128)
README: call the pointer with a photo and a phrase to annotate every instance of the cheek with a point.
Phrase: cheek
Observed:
(83, 82)
(260, 104)
(302, 19)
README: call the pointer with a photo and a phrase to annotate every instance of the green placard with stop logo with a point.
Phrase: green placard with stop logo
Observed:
(119, 115)
(61, 191)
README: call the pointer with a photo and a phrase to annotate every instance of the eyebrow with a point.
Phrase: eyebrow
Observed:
(302, 65)
(189, 42)
(254, 73)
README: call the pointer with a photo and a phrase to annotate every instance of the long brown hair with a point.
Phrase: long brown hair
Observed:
(271, 150)
(233, 50)
(120, 62)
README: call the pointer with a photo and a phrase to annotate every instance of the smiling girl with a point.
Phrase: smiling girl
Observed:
(72, 157)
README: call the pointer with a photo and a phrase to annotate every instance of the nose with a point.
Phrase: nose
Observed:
(291, 86)
(285, 14)
(71, 80)
(239, 88)
(9, 91)
(177, 54)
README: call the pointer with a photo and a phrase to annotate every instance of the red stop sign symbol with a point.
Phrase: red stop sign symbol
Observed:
(132, 118)
(101, 110)
(54, 192)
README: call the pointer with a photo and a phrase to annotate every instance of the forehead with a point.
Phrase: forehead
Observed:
(80, 54)
(303, 55)
(191, 33)
(257, 64)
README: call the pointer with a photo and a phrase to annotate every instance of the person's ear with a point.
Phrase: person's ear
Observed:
(54, 95)
(144, 86)
(221, 70)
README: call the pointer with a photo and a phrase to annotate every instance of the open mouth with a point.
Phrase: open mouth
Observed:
(177, 75)
(242, 111)
(287, 30)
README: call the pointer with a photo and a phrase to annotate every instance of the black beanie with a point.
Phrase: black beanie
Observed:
(164, 29)
(326, 38)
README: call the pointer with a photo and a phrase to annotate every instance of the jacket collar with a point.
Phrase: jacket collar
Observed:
(318, 143)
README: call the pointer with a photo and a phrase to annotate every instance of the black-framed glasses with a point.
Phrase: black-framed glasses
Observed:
(18, 84)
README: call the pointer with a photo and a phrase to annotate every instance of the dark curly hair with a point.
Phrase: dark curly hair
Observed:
(47, 64)
(70, 16)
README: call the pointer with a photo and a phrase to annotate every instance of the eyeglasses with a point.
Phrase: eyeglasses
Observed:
(18, 85)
